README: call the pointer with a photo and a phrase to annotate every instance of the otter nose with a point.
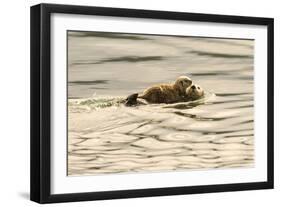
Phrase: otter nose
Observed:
(193, 87)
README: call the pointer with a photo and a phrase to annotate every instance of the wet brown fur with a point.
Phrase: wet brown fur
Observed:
(163, 93)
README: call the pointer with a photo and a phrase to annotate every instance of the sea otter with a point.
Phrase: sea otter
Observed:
(193, 92)
(163, 93)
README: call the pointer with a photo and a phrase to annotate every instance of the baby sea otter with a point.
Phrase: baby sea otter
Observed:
(193, 92)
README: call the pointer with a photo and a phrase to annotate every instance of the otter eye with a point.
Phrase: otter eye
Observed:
(198, 87)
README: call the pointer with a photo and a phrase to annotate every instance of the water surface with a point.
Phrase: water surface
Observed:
(107, 137)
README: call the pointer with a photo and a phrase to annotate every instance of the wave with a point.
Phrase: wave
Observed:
(128, 59)
(220, 55)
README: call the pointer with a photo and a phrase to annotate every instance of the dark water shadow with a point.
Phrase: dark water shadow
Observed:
(94, 82)
(210, 74)
(219, 55)
(98, 88)
(226, 41)
(200, 118)
(130, 59)
(107, 35)
(241, 107)
(232, 94)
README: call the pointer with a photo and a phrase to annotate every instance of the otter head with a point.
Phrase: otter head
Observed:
(182, 83)
(194, 92)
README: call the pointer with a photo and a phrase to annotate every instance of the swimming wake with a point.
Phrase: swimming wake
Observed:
(98, 103)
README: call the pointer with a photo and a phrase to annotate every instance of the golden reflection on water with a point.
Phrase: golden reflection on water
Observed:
(217, 132)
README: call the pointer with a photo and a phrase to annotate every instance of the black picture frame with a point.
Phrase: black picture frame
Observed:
(41, 98)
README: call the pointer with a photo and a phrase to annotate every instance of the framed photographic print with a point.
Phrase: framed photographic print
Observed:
(133, 103)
